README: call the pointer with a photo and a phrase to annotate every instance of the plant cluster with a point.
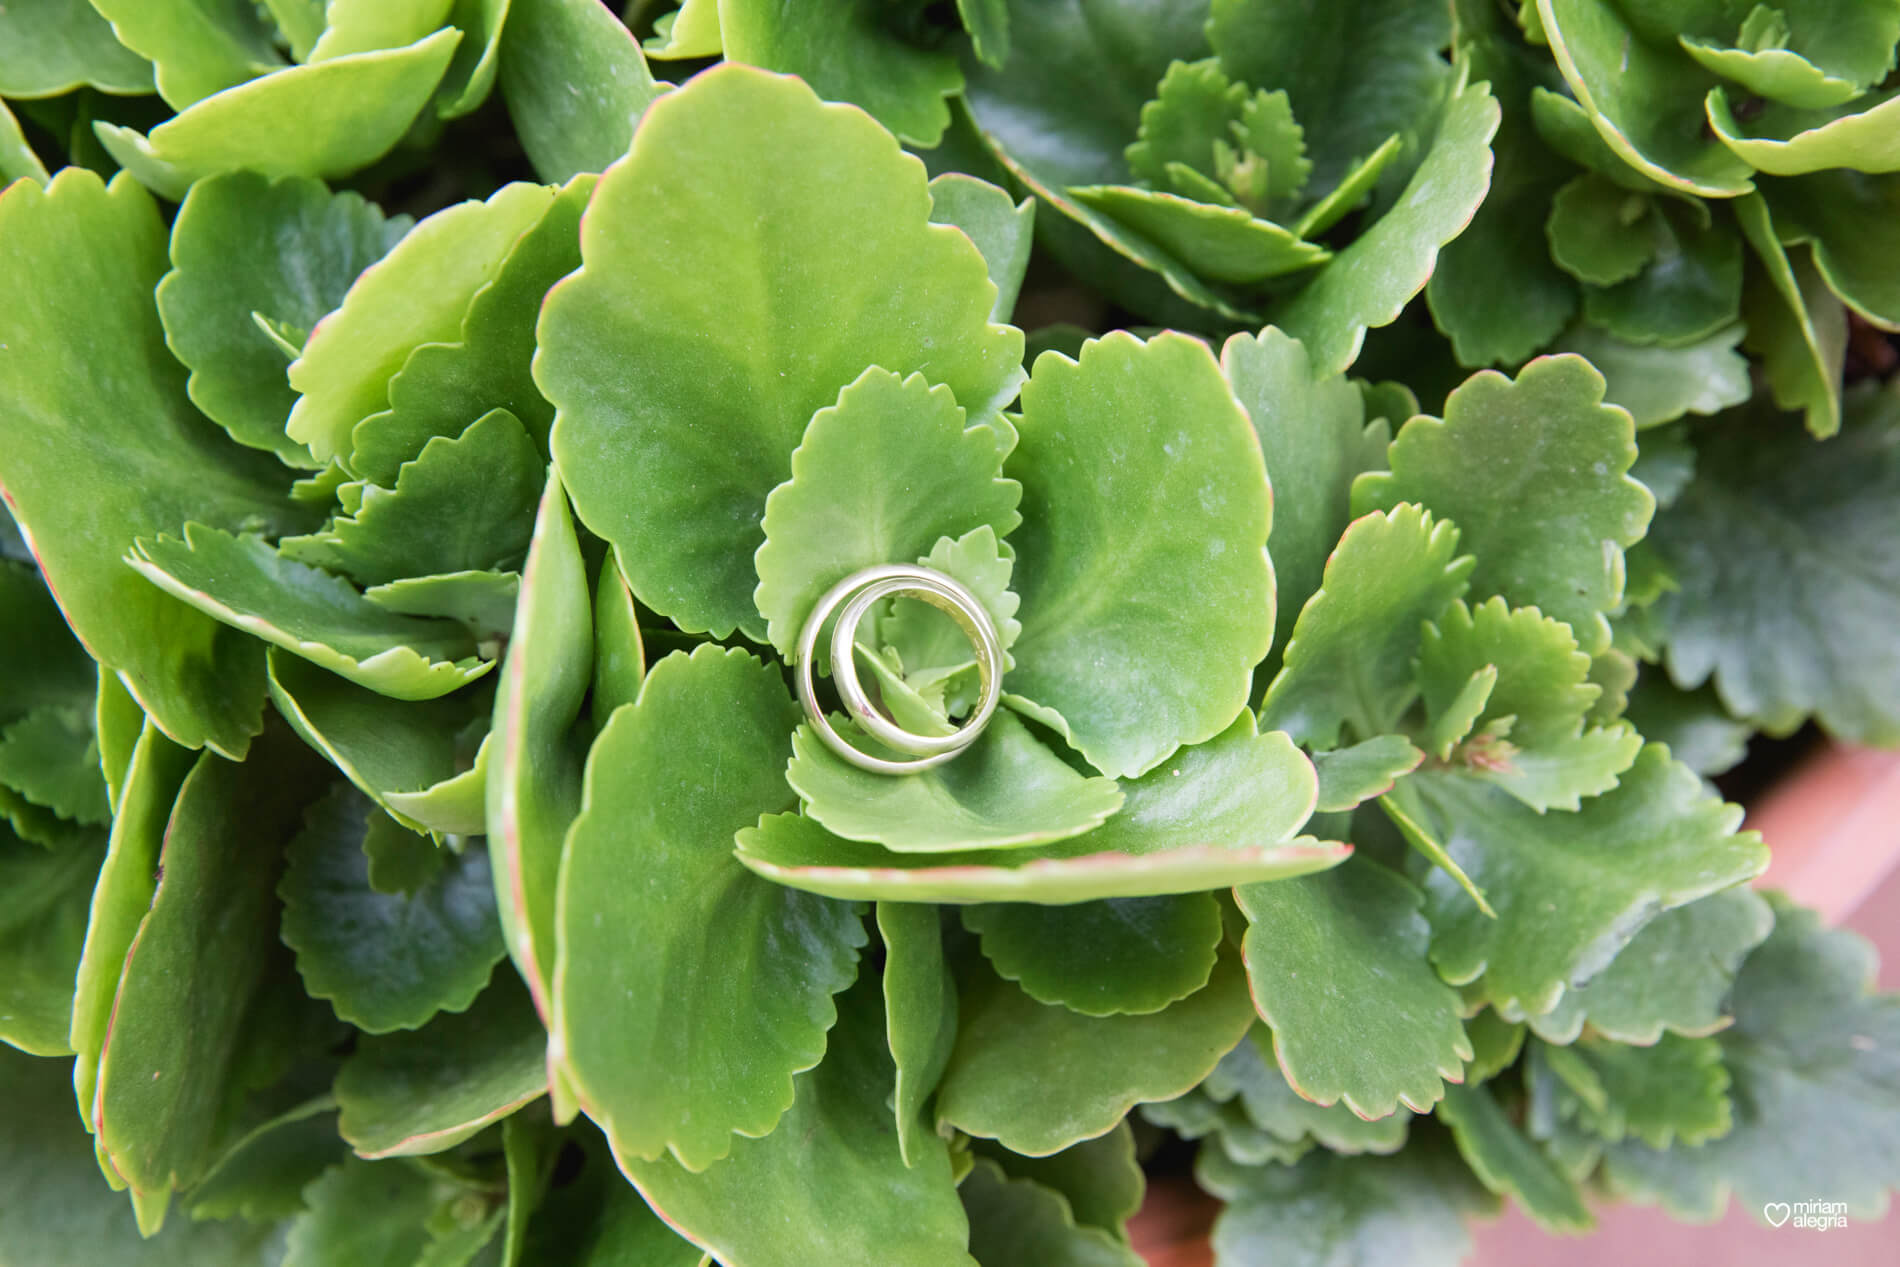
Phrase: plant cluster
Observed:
(1406, 450)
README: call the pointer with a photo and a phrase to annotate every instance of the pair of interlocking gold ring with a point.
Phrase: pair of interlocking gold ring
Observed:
(858, 593)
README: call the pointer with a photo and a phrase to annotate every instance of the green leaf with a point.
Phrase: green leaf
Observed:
(848, 51)
(1553, 535)
(1369, 282)
(535, 791)
(1790, 141)
(1655, 842)
(828, 1185)
(400, 860)
(1247, 1076)
(1508, 1163)
(44, 896)
(1816, 1095)
(55, 46)
(1676, 1089)
(1313, 433)
(300, 22)
(619, 652)
(385, 961)
(1355, 72)
(1000, 227)
(406, 756)
(751, 171)
(1600, 232)
(1099, 1178)
(1690, 289)
(690, 31)
(575, 85)
(1005, 791)
(1349, 664)
(245, 245)
(482, 601)
(653, 1062)
(1795, 324)
(597, 1218)
(52, 668)
(428, 1090)
(419, 293)
(372, 1214)
(462, 504)
(1698, 730)
(362, 26)
(924, 639)
(1220, 244)
(441, 386)
(1843, 215)
(202, 951)
(1349, 948)
(1349, 777)
(325, 120)
(1017, 1222)
(261, 1177)
(1644, 98)
(920, 1008)
(1103, 583)
(1495, 1044)
(1122, 956)
(1110, 1063)
(17, 159)
(198, 49)
(306, 611)
(1219, 814)
(90, 461)
(1195, 105)
(1790, 580)
(853, 500)
(59, 1214)
(52, 759)
(1487, 323)
(1780, 74)
(1657, 383)
(1331, 1209)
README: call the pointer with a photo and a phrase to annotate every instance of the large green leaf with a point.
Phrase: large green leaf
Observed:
(428, 1090)
(535, 790)
(417, 294)
(1644, 98)
(1369, 282)
(1006, 790)
(1349, 663)
(1785, 554)
(1552, 535)
(849, 50)
(60, 1214)
(308, 612)
(1000, 227)
(462, 505)
(920, 1009)
(697, 1037)
(1108, 1064)
(326, 120)
(816, 232)
(373, 1214)
(120, 900)
(52, 759)
(1674, 976)
(441, 386)
(879, 478)
(1100, 1178)
(1845, 216)
(1657, 383)
(575, 84)
(262, 1175)
(1018, 1222)
(1219, 813)
(1508, 1163)
(1248, 1076)
(1690, 288)
(1675, 1089)
(1791, 141)
(243, 247)
(385, 961)
(198, 47)
(1124, 955)
(1488, 323)
(53, 46)
(1329, 1209)
(1115, 450)
(181, 1031)
(1815, 1087)
(829, 1185)
(44, 896)
(1795, 324)
(90, 461)
(1315, 438)
(1348, 948)
(1218, 243)
(1571, 889)
(405, 755)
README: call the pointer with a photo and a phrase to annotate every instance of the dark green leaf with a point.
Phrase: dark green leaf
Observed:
(1017, 1222)
(920, 1008)
(50, 47)
(44, 896)
(1124, 955)
(367, 1214)
(1508, 1163)
(575, 84)
(1349, 777)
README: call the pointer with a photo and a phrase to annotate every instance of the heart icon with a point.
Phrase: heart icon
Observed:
(1777, 1212)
